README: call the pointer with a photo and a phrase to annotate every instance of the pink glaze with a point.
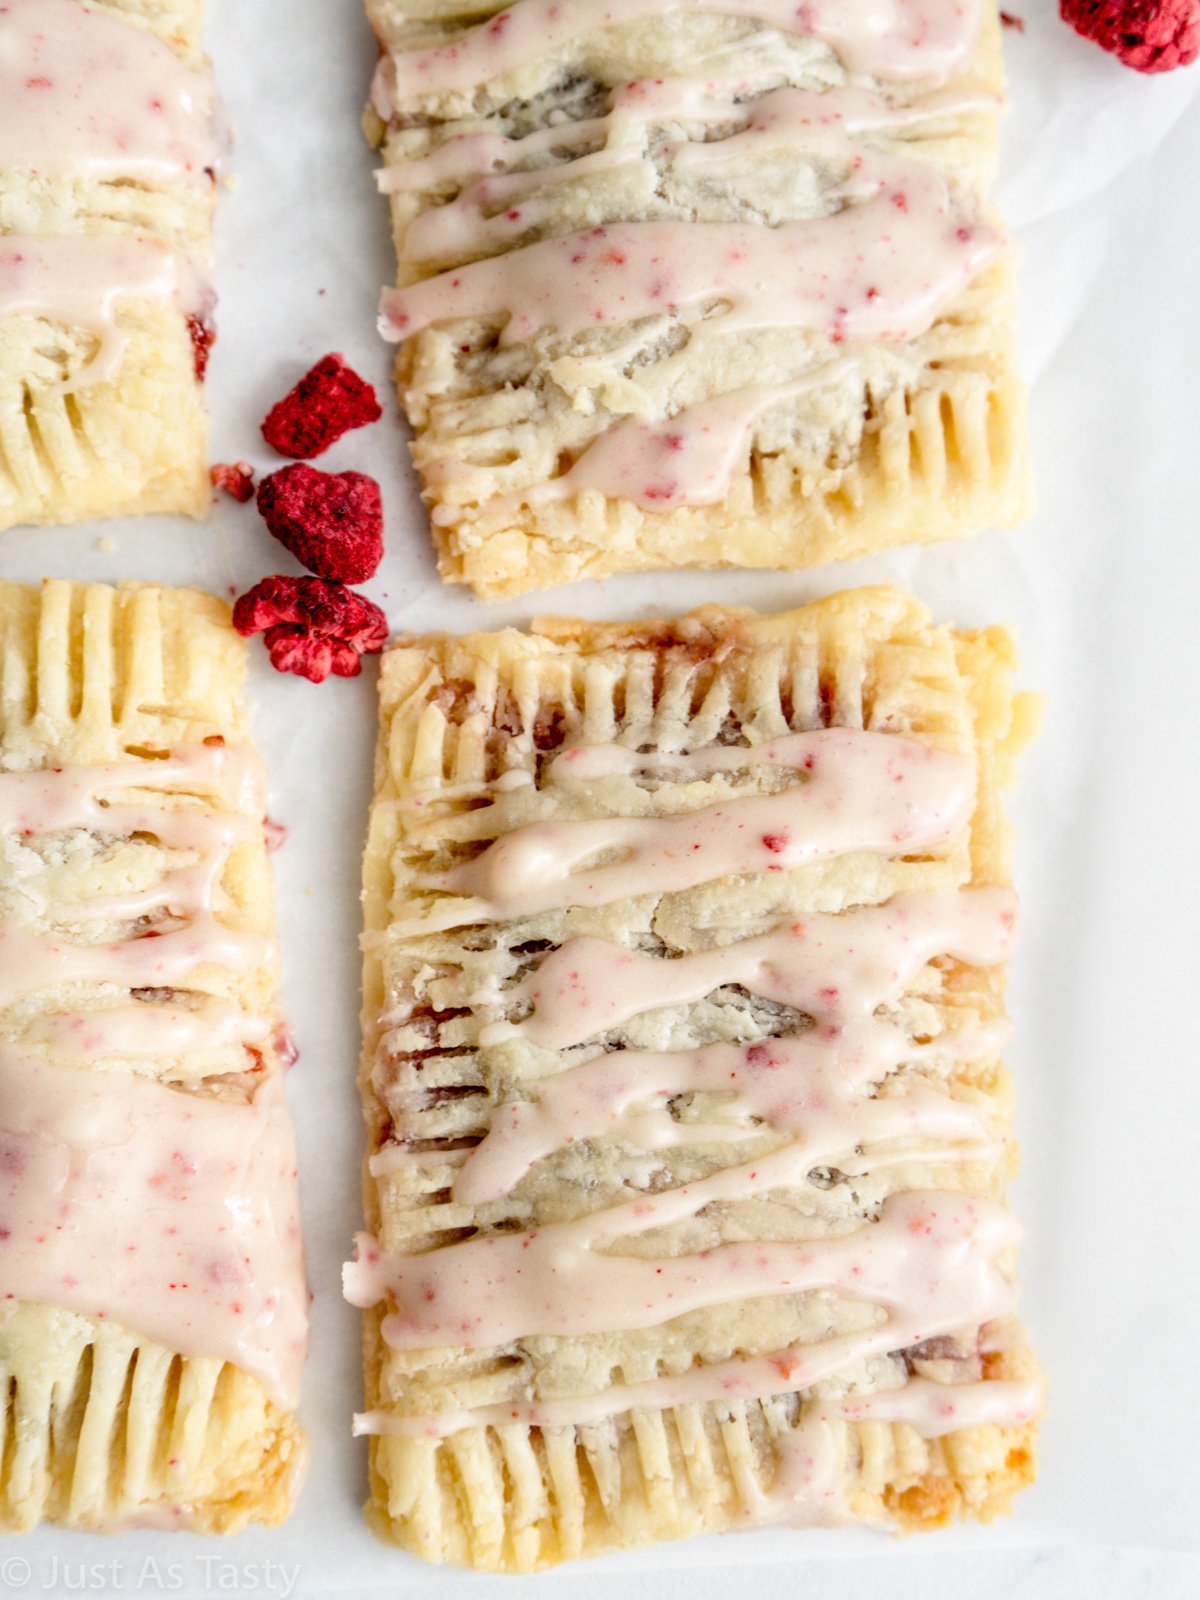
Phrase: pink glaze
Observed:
(807, 1488)
(47, 802)
(558, 1280)
(743, 1378)
(31, 962)
(804, 124)
(812, 1085)
(835, 968)
(776, 117)
(830, 1094)
(79, 280)
(149, 1030)
(930, 1261)
(86, 95)
(171, 1214)
(901, 40)
(936, 1409)
(879, 270)
(688, 459)
(883, 267)
(855, 791)
(54, 801)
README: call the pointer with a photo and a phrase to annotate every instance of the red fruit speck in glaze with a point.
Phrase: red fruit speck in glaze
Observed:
(332, 522)
(203, 336)
(777, 843)
(1011, 20)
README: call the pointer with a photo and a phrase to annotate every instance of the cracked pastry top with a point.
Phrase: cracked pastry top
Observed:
(697, 282)
(152, 1327)
(108, 173)
(688, 1132)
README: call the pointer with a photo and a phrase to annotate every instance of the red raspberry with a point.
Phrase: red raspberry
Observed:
(236, 479)
(312, 628)
(327, 402)
(332, 522)
(1148, 35)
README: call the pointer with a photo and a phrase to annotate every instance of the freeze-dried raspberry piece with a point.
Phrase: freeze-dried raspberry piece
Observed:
(328, 401)
(1148, 35)
(331, 521)
(236, 478)
(312, 627)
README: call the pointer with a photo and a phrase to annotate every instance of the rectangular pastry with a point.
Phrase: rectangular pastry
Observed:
(688, 1130)
(152, 1326)
(697, 282)
(108, 171)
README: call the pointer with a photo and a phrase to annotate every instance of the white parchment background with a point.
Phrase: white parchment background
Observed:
(1102, 183)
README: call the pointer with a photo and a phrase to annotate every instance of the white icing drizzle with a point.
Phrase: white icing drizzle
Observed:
(173, 1213)
(85, 94)
(79, 280)
(51, 800)
(74, 797)
(856, 790)
(687, 459)
(930, 1260)
(1008, 1403)
(898, 40)
(30, 962)
(840, 970)
(933, 1262)
(806, 1487)
(813, 1085)
(834, 968)
(149, 1030)
(168, 1213)
(882, 268)
(501, 205)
